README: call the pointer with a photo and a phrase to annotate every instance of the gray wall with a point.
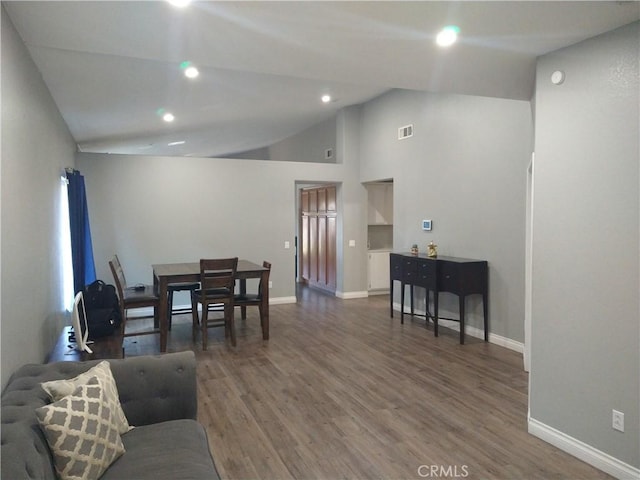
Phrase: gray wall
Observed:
(307, 146)
(465, 169)
(585, 346)
(36, 146)
(167, 209)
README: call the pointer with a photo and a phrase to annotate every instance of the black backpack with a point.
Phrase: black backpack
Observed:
(103, 309)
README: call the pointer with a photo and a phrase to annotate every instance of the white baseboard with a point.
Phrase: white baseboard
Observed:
(351, 295)
(148, 311)
(378, 292)
(586, 453)
(474, 332)
(282, 300)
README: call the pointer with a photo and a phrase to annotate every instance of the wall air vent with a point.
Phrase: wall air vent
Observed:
(405, 132)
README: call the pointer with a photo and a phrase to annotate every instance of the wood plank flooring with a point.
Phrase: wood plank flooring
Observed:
(342, 391)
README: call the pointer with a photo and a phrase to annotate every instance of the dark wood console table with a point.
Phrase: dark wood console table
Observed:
(103, 348)
(460, 276)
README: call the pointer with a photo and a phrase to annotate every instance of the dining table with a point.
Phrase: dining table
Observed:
(167, 273)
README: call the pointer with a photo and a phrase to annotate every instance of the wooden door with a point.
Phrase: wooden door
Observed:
(331, 252)
(318, 225)
(304, 235)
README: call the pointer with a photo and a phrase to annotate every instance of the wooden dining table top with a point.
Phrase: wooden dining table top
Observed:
(245, 267)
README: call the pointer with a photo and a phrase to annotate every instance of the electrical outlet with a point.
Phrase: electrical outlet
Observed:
(270, 284)
(617, 421)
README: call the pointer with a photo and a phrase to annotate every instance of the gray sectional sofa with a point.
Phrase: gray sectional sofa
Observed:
(158, 396)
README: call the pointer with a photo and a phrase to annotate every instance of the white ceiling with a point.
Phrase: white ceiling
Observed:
(263, 65)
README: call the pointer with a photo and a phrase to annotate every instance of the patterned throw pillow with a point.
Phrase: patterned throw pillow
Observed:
(58, 389)
(82, 433)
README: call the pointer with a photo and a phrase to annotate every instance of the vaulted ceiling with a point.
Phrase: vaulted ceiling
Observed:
(114, 67)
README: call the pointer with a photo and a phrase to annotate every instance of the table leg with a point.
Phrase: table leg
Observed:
(435, 312)
(485, 311)
(402, 302)
(162, 313)
(264, 309)
(411, 293)
(243, 292)
(391, 297)
(461, 300)
(427, 315)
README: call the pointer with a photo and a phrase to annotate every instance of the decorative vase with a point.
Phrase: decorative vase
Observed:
(432, 250)
(414, 249)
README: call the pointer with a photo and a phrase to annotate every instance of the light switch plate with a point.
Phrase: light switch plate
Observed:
(352, 243)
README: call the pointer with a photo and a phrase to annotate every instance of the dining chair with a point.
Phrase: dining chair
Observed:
(178, 287)
(171, 288)
(217, 282)
(139, 296)
(244, 300)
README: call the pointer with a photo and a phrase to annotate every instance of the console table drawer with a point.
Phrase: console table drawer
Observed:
(463, 278)
(448, 277)
(409, 270)
(426, 276)
(395, 264)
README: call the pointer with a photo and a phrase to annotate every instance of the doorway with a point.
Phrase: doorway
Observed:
(317, 245)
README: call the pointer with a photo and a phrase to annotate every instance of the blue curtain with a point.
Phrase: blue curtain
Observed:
(84, 268)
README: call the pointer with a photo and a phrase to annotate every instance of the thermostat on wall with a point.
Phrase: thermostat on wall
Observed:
(426, 225)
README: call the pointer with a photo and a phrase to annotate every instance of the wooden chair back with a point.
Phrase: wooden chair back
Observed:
(118, 276)
(118, 268)
(264, 279)
(218, 273)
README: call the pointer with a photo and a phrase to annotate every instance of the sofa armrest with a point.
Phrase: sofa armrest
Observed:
(157, 388)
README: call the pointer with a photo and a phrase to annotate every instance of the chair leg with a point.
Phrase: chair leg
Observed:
(203, 324)
(123, 320)
(194, 305)
(262, 322)
(228, 314)
(195, 322)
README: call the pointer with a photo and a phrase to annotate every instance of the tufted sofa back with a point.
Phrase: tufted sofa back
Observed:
(152, 389)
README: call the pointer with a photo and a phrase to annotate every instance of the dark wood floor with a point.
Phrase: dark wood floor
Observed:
(343, 391)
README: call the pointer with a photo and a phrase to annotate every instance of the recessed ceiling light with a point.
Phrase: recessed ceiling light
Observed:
(179, 3)
(447, 36)
(168, 117)
(191, 72)
(326, 98)
(179, 142)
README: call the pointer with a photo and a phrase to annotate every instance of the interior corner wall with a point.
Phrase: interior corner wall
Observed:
(354, 206)
(36, 146)
(585, 358)
(464, 168)
(310, 145)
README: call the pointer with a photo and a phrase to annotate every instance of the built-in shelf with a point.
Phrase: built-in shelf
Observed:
(380, 211)
(380, 237)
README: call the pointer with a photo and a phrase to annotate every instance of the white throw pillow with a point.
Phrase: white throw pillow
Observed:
(82, 432)
(58, 389)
